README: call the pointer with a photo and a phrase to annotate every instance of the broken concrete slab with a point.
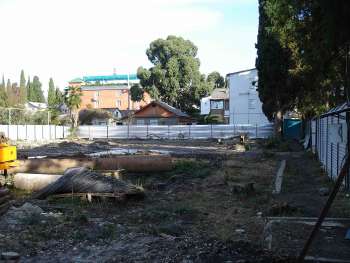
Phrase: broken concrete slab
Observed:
(279, 178)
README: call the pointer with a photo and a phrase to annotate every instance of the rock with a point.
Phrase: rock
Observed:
(323, 191)
(171, 229)
(240, 231)
(245, 188)
(10, 255)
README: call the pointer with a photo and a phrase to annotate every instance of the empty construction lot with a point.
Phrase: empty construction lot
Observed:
(215, 204)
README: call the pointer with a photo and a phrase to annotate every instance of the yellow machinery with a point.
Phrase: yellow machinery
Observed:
(8, 157)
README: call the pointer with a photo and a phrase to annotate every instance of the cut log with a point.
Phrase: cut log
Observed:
(131, 163)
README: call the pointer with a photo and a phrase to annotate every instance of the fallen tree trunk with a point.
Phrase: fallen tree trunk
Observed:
(84, 180)
(131, 163)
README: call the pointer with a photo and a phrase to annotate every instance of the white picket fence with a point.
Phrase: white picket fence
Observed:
(174, 131)
(35, 132)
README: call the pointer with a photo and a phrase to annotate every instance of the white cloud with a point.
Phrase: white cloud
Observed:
(69, 38)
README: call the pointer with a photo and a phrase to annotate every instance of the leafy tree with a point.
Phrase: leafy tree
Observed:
(216, 79)
(51, 96)
(73, 100)
(175, 77)
(136, 92)
(3, 94)
(22, 89)
(314, 38)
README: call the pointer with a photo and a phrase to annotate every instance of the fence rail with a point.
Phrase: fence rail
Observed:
(330, 141)
(174, 131)
(35, 132)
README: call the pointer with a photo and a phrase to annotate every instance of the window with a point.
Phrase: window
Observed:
(153, 121)
(227, 104)
(140, 122)
(216, 104)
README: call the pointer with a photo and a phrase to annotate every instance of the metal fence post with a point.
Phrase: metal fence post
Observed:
(168, 132)
(256, 130)
(128, 130)
(189, 131)
(337, 158)
(107, 131)
(327, 145)
(147, 130)
(347, 181)
(331, 160)
(211, 130)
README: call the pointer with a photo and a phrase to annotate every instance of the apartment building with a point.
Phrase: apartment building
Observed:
(109, 92)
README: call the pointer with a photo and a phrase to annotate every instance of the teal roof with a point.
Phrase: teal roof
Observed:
(111, 77)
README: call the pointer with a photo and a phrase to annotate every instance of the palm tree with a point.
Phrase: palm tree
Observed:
(73, 100)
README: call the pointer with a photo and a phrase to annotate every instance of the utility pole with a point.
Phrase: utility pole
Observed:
(9, 116)
(128, 93)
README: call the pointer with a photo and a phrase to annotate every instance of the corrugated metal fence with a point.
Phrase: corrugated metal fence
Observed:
(174, 131)
(330, 140)
(35, 132)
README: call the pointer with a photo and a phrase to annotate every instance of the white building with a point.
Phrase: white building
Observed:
(217, 104)
(245, 105)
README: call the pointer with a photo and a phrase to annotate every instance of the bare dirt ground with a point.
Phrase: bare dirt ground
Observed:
(207, 209)
(176, 148)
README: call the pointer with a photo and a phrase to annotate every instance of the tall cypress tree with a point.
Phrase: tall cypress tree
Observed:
(38, 95)
(51, 96)
(22, 89)
(10, 93)
(29, 90)
(3, 94)
(272, 64)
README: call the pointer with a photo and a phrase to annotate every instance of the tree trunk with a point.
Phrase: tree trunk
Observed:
(278, 124)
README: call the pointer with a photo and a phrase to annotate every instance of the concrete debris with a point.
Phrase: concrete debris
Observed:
(17, 215)
(240, 231)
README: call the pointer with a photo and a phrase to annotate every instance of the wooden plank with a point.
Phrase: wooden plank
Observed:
(90, 196)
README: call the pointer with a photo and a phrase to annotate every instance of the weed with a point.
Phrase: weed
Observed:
(108, 231)
(194, 169)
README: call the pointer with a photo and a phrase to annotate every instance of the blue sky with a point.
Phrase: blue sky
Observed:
(64, 39)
